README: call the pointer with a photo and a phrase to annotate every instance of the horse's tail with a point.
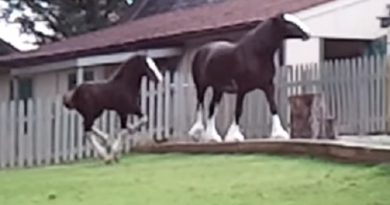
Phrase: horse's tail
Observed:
(67, 99)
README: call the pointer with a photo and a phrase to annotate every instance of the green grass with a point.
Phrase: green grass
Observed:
(202, 179)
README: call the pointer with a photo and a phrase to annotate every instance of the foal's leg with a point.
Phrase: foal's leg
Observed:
(143, 119)
(103, 136)
(117, 144)
(234, 133)
(211, 133)
(277, 130)
(89, 134)
(197, 130)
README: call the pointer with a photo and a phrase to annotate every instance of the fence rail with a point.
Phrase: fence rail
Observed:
(42, 132)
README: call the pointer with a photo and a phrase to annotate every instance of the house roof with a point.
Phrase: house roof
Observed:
(152, 7)
(6, 48)
(159, 28)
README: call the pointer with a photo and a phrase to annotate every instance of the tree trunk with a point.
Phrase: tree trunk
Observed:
(309, 119)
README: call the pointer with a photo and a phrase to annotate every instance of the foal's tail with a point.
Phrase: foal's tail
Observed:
(67, 99)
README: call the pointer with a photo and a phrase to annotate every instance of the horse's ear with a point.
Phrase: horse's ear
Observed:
(278, 17)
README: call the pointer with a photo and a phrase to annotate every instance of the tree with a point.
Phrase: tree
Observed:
(53, 20)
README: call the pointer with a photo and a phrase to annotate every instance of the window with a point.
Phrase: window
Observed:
(22, 89)
(72, 81)
(72, 78)
(25, 90)
(11, 90)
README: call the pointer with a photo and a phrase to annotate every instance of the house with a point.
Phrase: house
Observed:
(145, 8)
(5, 49)
(339, 30)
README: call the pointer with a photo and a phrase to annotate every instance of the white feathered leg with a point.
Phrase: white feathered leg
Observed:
(211, 133)
(278, 132)
(102, 152)
(117, 145)
(197, 130)
(133, 127)
(103, 136)
(234, 133)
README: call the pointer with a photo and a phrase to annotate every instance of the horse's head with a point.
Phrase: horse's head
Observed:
(291, 26)
(141, 65)
(67, 99)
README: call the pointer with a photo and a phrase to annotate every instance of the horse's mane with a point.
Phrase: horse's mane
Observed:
(118, 73)
(263, 43)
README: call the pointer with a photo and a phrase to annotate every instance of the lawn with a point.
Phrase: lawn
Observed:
(202, 179)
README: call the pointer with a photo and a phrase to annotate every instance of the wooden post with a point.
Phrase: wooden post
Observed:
(387, 82)
(308, 118)
(79, 75)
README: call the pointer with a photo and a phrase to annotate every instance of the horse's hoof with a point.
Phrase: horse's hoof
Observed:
(108, 160)
(280, 134)
(116, 159)
(196, 132)
(234, 134)
(213, 138)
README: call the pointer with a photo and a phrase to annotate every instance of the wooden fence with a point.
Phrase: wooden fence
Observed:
(42, 132)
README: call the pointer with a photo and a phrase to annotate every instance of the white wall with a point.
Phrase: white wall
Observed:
(349, 19)
(49, 84)
(55, 83)
(297, 52)
(45, 85)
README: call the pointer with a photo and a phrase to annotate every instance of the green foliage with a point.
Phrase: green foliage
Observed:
(63, 18)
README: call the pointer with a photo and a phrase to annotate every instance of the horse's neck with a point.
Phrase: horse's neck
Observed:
(261, 42)
(133, 82)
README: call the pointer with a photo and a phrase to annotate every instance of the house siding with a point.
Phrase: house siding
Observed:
(339, 20)
(55, 83)
(4, 87)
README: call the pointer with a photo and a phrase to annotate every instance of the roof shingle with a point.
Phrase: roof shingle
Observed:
(173, 24)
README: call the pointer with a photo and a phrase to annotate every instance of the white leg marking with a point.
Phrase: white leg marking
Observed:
(100, 134)
(117, 145)
(197, 130)
(234, 133)
(278, 132)
(153, 66)
(133, 127)
(211, 133)
(98, 147)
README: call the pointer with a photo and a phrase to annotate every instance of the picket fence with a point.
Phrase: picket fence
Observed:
(42, 132)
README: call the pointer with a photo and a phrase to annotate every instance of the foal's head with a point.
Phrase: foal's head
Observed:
(138, 66)
(291, 26)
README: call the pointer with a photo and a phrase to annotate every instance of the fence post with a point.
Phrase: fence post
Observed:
(387, 90)
(3, 135)
(167, 105)
(20, 145)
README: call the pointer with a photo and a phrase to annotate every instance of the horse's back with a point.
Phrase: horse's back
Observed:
(212, 59)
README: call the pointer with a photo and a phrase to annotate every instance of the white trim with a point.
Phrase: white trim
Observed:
(44, 68)
(94, 60)
(326, 8)
(79, 75)
(120, 57)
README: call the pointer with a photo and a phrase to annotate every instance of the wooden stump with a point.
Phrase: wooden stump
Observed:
(309, 119)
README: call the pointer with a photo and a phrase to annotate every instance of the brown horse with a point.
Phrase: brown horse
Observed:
(240, 68)
(120, 93)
